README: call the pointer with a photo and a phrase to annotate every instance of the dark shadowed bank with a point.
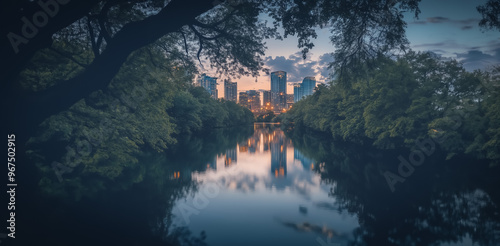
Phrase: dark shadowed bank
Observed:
(443, 202)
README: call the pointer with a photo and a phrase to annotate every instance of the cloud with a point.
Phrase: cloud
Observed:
(465, 24)
(420, 22)
(444, 48)
(296, 67)
(437, 19)
(476, 59)
(323, 64)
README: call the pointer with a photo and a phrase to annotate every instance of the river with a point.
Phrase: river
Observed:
(269, 186)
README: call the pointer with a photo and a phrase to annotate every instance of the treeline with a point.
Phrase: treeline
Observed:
(391, 103)
(194, 110)
(149, 104)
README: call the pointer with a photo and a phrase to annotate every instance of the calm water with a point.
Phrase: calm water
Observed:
(261, 186)
(263, 191)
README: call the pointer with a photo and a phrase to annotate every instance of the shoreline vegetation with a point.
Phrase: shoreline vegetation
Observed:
(146, 108)
(392, 103)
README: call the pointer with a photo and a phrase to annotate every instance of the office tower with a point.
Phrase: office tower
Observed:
(305, 88)
(230, 90)
(244, 100)
(289, 100)
(278, 90)
(254, 101)
(309, 83)
(267, 101)
(251, 100)
(210, 84)
(298, 93)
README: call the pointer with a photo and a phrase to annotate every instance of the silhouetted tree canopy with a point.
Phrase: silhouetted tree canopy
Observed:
(96, 38)
(491, 14)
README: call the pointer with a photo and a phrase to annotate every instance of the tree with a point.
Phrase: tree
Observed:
(416, 97)
(491, 14)
(228, 34)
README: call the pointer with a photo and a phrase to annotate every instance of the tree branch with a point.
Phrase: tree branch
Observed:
(94, 44)
(38, 106)
(68, 57)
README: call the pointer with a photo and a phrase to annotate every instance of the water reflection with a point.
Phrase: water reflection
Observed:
(267, 193)
(452, 202)
(263, 186)
(278, 154)
(135, 208)
(312, 191)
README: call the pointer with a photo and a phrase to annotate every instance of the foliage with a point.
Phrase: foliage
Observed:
(145, 108)
(195, 110)
(491, 14)
(267, 116)
(396, 102)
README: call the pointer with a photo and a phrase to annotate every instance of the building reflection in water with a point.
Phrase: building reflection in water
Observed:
(212, 164)
(278, 154)
(230, 157)
(307, 163)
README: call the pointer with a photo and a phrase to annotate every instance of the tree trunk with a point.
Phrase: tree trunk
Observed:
(25, 110)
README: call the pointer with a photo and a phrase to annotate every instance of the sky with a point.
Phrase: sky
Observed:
(446, 27)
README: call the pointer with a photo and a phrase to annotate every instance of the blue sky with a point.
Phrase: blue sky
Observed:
(446, 27)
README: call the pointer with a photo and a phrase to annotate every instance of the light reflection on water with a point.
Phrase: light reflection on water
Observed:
(263, 192)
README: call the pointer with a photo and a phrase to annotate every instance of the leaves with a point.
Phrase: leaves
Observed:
(417, 96)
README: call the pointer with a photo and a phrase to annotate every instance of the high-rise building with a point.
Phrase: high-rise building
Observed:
(210, 84)
(251, 100)
(230, 90)
(298, 93)
(305, 88)
(243, 101)
(278, 90)
(289, 100)
(254, 101)
(267, 101)
(308, 83)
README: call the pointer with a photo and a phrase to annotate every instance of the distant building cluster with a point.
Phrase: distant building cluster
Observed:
(251, 100)
(275, 99)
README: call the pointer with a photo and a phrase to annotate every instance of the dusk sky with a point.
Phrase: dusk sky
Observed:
(446, 27)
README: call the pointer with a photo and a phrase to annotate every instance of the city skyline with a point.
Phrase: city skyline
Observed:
(447, 28)
(277, 97)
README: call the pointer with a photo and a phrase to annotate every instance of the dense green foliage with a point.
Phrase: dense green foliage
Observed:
(397, 102)
(267, 116)
(145, 108)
